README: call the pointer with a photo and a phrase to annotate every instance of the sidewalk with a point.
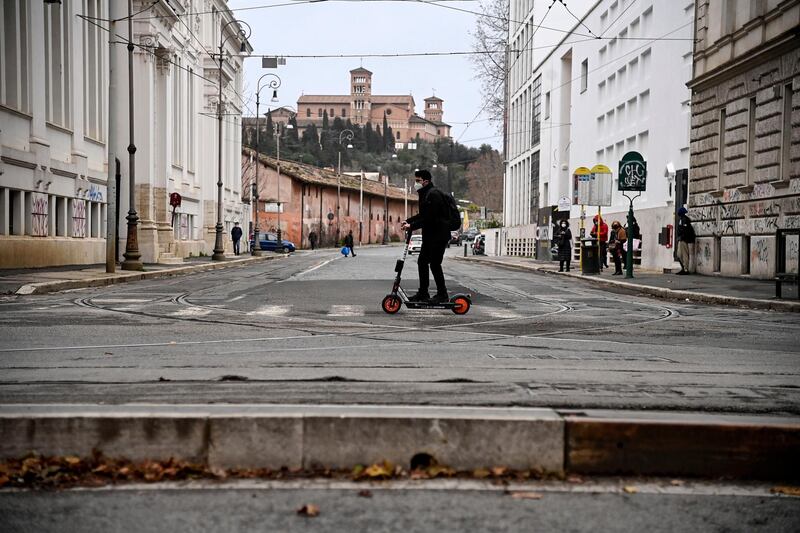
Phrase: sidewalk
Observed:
(752, 293)
(52, 279)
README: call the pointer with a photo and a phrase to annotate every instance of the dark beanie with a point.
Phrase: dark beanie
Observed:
(682, 211)
(424, 174)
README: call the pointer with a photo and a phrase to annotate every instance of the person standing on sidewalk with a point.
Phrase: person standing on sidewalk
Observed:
(236, 236)
(602, 239)
(564, 243)
(432, 218)
(312, 239)
(618, 238)
(348, 241)
(686, 239)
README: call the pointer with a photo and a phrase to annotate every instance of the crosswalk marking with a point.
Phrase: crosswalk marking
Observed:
(271, 310)
(346, 310)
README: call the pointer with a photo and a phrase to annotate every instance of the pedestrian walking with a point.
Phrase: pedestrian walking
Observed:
(564, 243)
(348, 241)
(686, 239)
(236, 236)
(618, 238)
(433, 218)
(602, 237)
(312, 239)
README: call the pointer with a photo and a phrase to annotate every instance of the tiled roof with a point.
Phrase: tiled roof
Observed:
(320, 176)
(360, 69)
(324, 99)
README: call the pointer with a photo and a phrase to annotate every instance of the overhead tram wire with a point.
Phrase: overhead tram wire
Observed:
(580, 21)
(618, 17)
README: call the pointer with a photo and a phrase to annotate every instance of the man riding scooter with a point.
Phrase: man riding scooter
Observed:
(432, 218)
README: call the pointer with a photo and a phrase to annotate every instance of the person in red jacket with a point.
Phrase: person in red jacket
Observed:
(602, 238)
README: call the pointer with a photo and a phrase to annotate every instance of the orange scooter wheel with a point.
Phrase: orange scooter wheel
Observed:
(391, 304)
(462, 305)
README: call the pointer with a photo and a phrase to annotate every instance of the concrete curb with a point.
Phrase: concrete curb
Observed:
(112, 279)
(660, 292)
(309, 436)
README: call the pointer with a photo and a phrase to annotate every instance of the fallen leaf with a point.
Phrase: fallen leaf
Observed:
(499, 470)
(365, 493)
(526, 495)
(481, 473)
(308, 509)
(378, 470)
(574, 479)
(677, 482)
(358, 470)
(72, 460)
(630, 489)
(440, 470)
(785, 489)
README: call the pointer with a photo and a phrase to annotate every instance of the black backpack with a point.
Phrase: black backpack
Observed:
(453, 216)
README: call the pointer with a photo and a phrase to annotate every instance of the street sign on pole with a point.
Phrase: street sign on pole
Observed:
(632, 172)
(599, 187)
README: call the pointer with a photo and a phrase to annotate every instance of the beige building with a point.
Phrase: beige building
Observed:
(361, 106)
(744, 180)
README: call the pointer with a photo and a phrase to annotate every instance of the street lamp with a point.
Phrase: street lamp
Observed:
(348, 135)
(132, 254)
(273, 84)
(219, 247)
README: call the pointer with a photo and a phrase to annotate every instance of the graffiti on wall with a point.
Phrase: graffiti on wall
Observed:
(95, 194)
(39, 217)
(78, 218)
(759, 252)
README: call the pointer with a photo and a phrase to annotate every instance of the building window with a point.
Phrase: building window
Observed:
(330, 113)
(751, 143)
(584, 74)
(344, 112)
(547, 105)
(723, 116)
(14, 71)
(177, 113)
(534, 186)
(190, 119)
(536, 111)
(319, 112)
(57, 24)
(398, 135)
(308, 111)
(93, 78)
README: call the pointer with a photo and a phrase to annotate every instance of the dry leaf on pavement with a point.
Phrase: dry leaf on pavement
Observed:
(630, 489)
(526, 495)
(499, 470)
(481, 473)
(677, 482)
(574, 479)
(785, 489)
(308, 509)
(365, 493)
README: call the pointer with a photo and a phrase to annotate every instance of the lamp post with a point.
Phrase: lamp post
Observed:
(273, 84)
(219, 247)
(132, 254)
(344, 134)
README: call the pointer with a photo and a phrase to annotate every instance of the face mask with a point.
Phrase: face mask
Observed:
(563, 225)
(417, 185)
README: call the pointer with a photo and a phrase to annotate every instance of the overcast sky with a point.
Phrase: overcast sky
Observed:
(377, 27)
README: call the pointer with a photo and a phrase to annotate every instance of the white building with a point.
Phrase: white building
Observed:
(54, 116)
(589, 101)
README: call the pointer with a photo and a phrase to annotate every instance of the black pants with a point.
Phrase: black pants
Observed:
(619, 258)
(561, 263)
(431, 256)
(604, 254)
(236, 246)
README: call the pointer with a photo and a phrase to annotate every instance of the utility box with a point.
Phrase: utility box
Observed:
(590, 256)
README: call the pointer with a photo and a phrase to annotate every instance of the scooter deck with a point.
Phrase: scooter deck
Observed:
(425, 305)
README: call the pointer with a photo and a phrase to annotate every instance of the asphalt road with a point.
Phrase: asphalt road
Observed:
(309, 329)
(257, 506)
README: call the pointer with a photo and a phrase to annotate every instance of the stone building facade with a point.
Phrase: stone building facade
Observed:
(744, 180)
(307, 196)
(361, 106)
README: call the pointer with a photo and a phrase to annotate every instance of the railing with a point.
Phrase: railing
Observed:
(782, 273)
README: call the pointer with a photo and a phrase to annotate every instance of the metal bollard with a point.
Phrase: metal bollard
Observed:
(465, 249)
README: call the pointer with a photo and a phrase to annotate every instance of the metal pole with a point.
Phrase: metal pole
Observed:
(629, 262)
(256, 230)
(219, 247)
(132, 255)
(279, 245)
(338, 195)
(405, 200)
(385, 208)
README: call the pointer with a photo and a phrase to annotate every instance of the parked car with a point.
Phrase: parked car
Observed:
(479, 245)
(269, 243)
(470, 234)
(415, 245)
(455, 237)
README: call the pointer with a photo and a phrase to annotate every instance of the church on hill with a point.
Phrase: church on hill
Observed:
(361, 106)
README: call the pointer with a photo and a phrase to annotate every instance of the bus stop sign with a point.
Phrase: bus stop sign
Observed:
(632, 172)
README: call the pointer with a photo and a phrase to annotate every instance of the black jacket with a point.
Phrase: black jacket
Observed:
(236, 233)
(685, 229)
(432, 216)
(348, 241)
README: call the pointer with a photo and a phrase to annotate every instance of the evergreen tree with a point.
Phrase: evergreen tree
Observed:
(325, 124)
(369, 138)
(388, 135)
(379, 146)
(338, 125)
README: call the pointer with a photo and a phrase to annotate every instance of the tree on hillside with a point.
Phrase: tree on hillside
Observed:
(489, 38)
(325, 124)
(388, 135)
(484, 179)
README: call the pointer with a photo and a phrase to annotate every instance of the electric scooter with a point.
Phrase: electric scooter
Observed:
(459, 303)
